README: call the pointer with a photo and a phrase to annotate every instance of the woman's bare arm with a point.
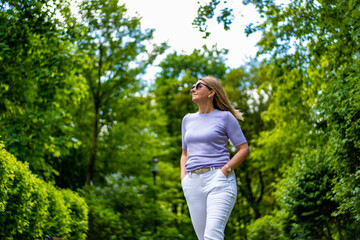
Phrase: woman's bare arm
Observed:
(182, 164)
(242, 153)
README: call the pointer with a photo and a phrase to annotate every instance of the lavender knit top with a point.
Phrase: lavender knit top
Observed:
(205, 136)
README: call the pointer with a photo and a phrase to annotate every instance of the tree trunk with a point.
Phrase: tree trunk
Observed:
(338, 226)
(328, 235)
(94, 146)
(97, 99)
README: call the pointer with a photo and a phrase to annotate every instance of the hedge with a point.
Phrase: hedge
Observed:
(31, 207)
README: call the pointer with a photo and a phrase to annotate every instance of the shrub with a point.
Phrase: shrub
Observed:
(267, 227)
(29, 206)
(127, 208)
(306, 196)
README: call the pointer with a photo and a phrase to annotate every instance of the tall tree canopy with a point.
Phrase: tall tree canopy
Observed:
(111, 47)
(38, 80)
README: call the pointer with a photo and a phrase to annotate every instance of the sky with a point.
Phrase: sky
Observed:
(172, 21)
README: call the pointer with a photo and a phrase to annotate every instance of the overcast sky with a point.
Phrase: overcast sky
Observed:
(172, 21)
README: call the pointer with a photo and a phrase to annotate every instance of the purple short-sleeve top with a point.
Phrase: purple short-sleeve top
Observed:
(205, 137)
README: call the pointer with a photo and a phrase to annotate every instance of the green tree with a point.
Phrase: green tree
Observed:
(325, 40)
(313, 49)
(111, 47)
(37, 82)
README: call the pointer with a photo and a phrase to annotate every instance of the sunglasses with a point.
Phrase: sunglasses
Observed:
(198, 85)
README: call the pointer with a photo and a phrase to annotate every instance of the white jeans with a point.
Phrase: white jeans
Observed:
(210, 198)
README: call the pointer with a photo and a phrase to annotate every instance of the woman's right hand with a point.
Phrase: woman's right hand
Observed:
(183, 176)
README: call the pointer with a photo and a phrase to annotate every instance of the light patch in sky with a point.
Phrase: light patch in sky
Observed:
(172, 21)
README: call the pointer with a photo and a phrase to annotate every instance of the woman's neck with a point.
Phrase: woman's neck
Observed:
(206, 108)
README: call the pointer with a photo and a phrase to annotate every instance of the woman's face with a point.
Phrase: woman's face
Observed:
(200, 91)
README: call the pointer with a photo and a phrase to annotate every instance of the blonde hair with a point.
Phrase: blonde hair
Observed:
(221, 101)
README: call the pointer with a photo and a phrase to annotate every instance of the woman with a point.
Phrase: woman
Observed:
(207, 172)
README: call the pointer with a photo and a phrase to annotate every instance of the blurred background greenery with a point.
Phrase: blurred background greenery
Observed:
(80, 127)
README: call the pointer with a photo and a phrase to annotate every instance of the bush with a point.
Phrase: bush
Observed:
(306, 196)
(29, 207)
(267, 227)
(126, 208)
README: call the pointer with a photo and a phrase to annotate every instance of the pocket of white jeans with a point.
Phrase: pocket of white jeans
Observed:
(184, 178)
(223, 175)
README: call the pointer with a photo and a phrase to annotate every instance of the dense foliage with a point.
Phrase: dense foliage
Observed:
(312, 49)
(76, 114)
(38, 81)
(30, 207)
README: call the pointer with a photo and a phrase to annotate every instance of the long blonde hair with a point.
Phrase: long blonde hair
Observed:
(221, 101)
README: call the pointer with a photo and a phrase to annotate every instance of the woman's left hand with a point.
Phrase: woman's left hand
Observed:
(224, 171)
